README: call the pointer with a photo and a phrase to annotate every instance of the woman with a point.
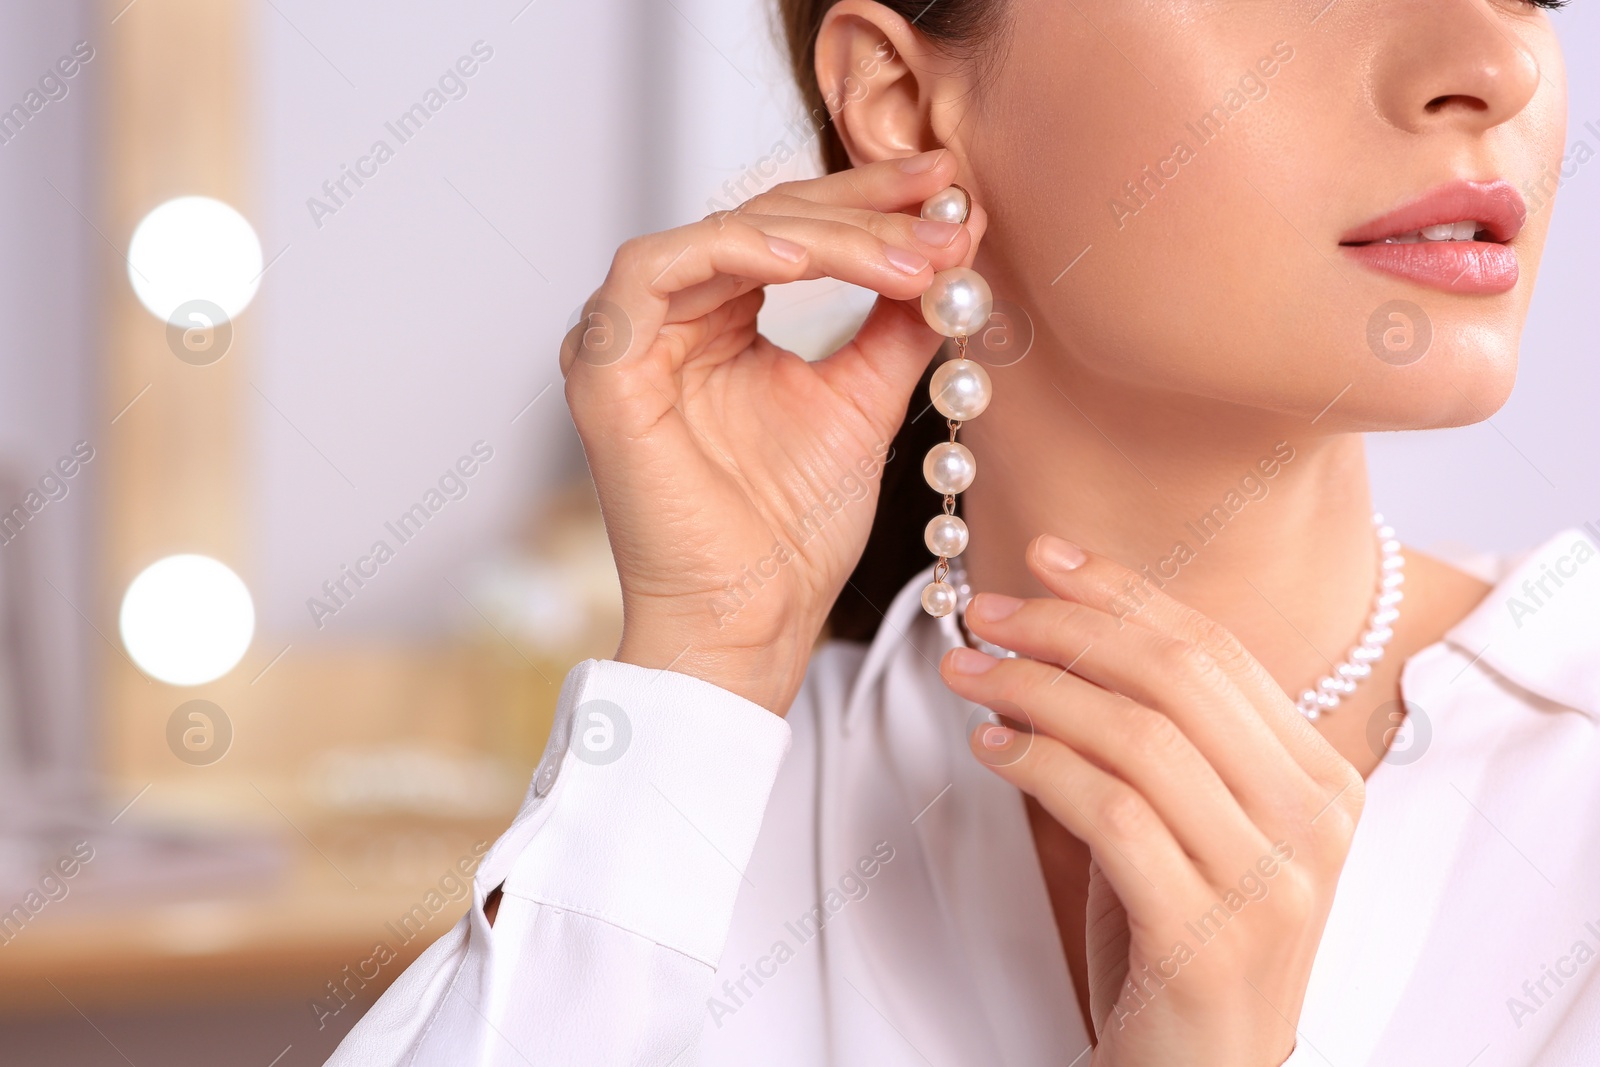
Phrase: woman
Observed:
(1244, 233)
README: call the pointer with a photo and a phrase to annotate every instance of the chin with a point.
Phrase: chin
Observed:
(1458, 383)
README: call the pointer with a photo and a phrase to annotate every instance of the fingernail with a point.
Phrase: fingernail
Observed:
(905, 260)
(940, 234)
(921, 164)
(970, 661)
(1060, 555)
(993, 607)
(998, 737)
(784, 249)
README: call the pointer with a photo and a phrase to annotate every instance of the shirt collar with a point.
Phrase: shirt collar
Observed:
(904, 612)
(1539, 628)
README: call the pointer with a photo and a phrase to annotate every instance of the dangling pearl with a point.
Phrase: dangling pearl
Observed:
(939, 599)
(949, 467)
(958, 303)
(945, 536)
(947, 205)
(960, 389)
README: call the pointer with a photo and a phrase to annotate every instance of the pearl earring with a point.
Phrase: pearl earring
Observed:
(957, 305)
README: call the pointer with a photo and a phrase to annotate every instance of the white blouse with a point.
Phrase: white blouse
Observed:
(695, 880)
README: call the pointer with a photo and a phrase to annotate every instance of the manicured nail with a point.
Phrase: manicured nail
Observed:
(996, 737)
(905, 260)
(921, 164)
(1060, 555)
(938, 234)
(993, 607)
(784, 249)
(970, 661)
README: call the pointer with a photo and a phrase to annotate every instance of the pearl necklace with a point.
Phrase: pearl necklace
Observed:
(1331, 689)
(1357, 665)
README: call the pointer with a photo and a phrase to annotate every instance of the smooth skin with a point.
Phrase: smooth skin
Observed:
(1173, 348)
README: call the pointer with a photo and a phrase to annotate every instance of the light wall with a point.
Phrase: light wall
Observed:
(426, 312)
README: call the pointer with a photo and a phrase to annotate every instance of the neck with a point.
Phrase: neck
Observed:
(1262, 523)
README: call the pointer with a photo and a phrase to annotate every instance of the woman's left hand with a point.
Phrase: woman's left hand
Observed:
(1219, 817)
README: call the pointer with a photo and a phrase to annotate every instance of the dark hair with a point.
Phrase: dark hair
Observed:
(895, 551)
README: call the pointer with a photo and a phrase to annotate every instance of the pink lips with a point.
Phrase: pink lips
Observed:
(1484, 265)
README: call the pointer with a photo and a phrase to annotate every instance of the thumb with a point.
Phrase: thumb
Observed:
(878, 368)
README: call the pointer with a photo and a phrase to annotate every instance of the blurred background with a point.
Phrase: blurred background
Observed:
(296, 541)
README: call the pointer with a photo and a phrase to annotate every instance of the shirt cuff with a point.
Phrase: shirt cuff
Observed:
(646, 806)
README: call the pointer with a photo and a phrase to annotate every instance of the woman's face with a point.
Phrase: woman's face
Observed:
(1195, 196)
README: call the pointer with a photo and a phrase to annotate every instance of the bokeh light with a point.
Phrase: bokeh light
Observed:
(194, 248)
(187, 620)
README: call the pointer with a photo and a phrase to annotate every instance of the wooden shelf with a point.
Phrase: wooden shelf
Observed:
(281, 942)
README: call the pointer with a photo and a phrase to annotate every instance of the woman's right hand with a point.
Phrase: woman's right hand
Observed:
(738, 481)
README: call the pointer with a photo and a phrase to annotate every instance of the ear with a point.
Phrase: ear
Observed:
(889, 92)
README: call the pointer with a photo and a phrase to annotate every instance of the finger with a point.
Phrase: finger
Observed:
(880, 367)
(944, 244)
(887, 185)
(883, 363)
(1089, 578)
(874, 256)
(1135, 849)
(1176, 678)
(647, 270)
(908, 230)
(694, 304)
(722, 333)
(1138, 745)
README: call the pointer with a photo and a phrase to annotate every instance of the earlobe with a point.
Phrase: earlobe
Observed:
(876, 72)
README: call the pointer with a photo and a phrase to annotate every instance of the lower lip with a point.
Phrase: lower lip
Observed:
(1453, 266)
